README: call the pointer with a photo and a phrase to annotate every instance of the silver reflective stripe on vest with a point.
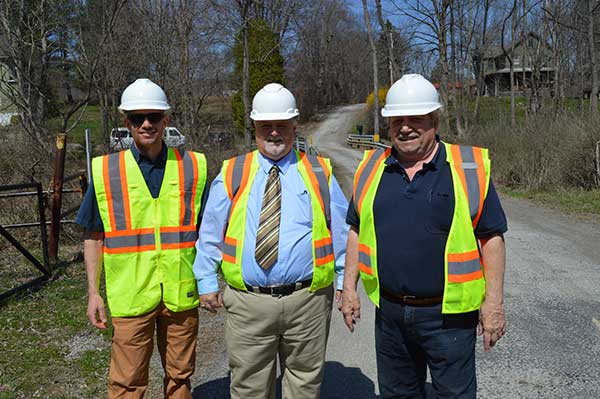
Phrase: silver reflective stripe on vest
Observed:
(178, 237)
(469, 166)
(364, 176)
(364, 259)
(238, 173)
(135, 240)
(323, 251)
(116, 190)
(188, 188)
(466, 267)
(229, 249)
(323, 185)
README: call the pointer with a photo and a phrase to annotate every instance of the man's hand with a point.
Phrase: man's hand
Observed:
(350, 308)
(492, 324)
(338, 298)
(211, 302)
(95, 311)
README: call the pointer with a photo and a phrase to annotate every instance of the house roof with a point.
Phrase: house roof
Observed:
(496, 51)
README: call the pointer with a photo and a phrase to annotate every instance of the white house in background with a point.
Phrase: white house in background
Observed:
(7, 108)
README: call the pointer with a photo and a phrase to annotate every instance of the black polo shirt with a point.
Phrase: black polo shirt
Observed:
(153, 171)
(413, 219)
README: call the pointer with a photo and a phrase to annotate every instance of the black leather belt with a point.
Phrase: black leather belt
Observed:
(280, 290)
(410, 300)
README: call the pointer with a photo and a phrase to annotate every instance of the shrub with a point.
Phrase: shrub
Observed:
(542, 152)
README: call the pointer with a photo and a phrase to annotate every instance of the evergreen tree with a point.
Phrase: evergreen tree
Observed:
(266, 64)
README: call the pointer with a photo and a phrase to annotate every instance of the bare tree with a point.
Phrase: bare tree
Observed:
(592, 7)
(328, 63)
(26, 50)
(243, 8)
(374, 60)
(388, 38)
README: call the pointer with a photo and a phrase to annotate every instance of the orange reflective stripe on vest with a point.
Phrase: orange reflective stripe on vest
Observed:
(319, 179)
(178, 237)
(464, 267)
(364, 176)
(117, 196)
(229, 248)
(123, 241)
(468, 163)
(364, 259)
(237, 173)
(188, 178)
(323, 251)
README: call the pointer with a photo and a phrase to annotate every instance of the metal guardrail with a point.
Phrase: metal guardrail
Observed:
(301, 143)
(364, 141)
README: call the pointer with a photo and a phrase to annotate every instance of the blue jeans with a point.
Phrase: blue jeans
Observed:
(408, 339)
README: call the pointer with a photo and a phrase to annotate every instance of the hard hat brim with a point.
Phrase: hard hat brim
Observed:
(150, 106)
(273, 116)
(411, 110)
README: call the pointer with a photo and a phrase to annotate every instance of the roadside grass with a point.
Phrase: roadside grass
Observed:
(48, 348)
(570, 201)
(91, 119)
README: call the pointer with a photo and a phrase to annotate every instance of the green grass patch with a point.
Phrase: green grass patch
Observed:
(48, 349)
(571, 201)
(91, 119)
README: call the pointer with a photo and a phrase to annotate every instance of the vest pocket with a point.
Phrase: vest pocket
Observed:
(188, 292)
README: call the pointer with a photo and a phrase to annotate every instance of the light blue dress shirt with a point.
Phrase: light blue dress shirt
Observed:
(294, 262)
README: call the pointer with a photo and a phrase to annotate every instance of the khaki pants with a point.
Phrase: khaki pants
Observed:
(259, 327)
(132, 346)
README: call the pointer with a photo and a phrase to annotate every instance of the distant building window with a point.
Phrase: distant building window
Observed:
(516, 61)
(491, 65)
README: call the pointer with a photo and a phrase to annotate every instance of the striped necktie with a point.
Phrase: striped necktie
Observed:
(267, 236)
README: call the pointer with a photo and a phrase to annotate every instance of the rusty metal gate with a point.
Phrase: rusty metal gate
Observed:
(41, 263)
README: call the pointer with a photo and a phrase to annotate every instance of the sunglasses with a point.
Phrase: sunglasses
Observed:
(138, 119)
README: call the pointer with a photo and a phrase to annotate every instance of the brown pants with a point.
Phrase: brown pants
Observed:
(259, 328)
(132, 346)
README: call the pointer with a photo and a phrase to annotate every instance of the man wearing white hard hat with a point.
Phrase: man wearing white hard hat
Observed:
(274, 227)
(141, 216)
(426, 238)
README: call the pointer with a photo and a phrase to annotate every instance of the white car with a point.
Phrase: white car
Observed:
(121, 139)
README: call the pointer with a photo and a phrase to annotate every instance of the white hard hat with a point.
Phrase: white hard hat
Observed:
(143, 94)
(273, 102)
(411, 95)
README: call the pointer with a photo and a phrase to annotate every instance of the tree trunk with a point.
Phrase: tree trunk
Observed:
(375, 80)
(593, 61)
(389, 43)
(480, 69)
(441, 9)
(244, 5)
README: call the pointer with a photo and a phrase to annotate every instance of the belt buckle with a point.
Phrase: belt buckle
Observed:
(403, 298)
(282, 290)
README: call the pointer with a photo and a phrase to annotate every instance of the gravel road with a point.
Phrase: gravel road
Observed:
(552, 346)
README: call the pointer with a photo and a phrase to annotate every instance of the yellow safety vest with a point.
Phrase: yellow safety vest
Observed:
(149, 243)
(464, 286)
(238, 175)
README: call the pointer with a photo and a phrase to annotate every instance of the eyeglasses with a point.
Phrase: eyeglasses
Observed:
(139, 119)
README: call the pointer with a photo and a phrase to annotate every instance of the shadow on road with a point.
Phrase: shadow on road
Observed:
(340, 381)
(213, 389)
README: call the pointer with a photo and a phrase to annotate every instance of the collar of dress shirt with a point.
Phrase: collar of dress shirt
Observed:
(283, 164)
